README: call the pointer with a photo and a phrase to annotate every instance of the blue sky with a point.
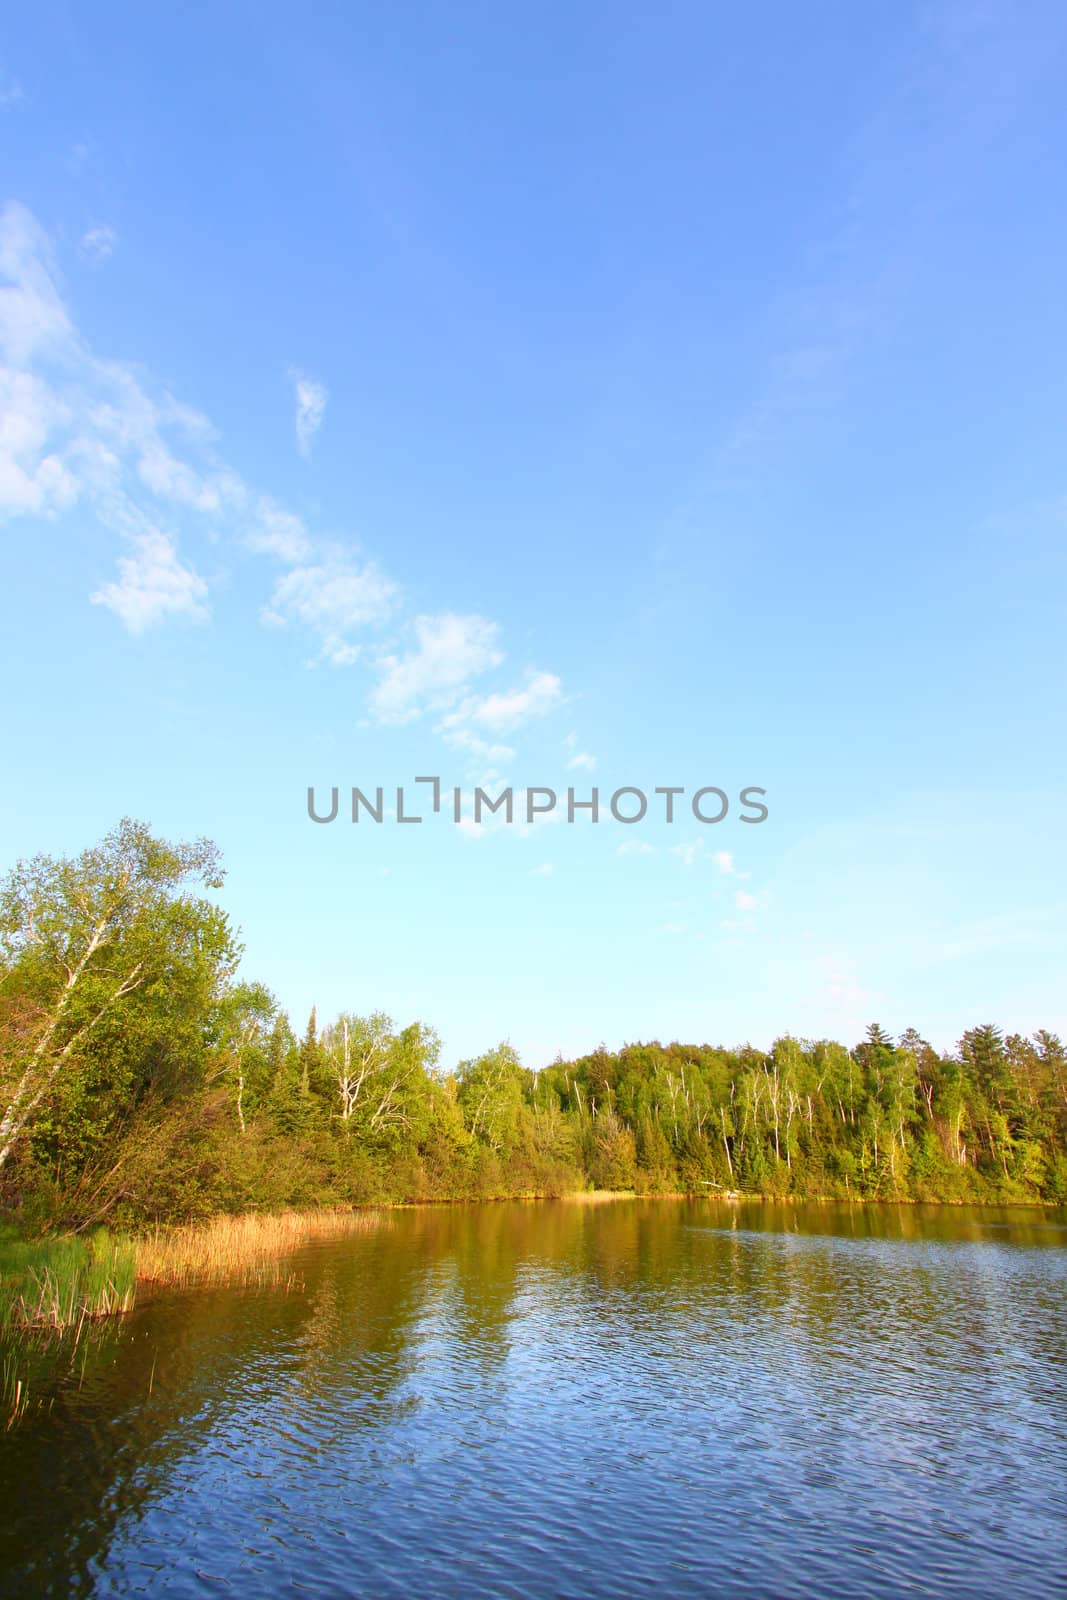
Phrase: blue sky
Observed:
(594, 395)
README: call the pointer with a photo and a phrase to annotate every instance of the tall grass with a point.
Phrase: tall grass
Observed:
(53, 1289)
(14, 1391)
(596, 1197)
(244, 1249)
(62, 1282)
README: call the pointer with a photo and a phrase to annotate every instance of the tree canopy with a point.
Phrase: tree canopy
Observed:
(139, 1075)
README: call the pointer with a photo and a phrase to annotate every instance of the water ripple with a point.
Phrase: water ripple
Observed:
(555, 1401)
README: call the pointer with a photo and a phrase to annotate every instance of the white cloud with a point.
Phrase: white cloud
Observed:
(690, 854)
(98, 243)
(79, 428)
(636, 847)
(32, 316)
(76, 427)
(32, 478)
(81, 431)
(580, 758)
(450, 650)
(545, 870)
(745, 901)
(278, 532)
(169, 478)
(482, 749)
(152, 583)
(502, 711)
(495, 823)
(334, 599)
(311, 398)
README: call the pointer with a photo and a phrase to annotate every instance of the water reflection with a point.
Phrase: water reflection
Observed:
(562, 1399)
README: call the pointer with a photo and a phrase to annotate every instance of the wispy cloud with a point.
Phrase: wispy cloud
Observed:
(482, 750)
(579, 759)
(32, 479)
(636, 847)
(504, 710)
(495, 824)
(76, 428)
(78, 431)
(171, 479)
(98, 243)
(545, 870)
(694, 851)
(333, 599)
(277, 532)
(948, 99)
(311, 398)
(958, 84)
(153, 584)
(33, 320)
(449, 651)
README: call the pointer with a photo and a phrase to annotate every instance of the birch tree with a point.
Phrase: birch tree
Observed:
(491, 1096)
(78, 938)
(380, 1076)
(246, 1021)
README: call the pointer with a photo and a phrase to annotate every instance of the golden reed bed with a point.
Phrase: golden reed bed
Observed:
(239, 1249)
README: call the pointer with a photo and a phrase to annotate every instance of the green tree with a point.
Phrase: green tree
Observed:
(110, 937)
(490, 1095)
(245, 1019)
(380, 1077)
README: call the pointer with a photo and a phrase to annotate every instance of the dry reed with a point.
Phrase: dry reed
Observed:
(242, 1249)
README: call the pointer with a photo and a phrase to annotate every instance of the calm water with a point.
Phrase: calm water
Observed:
(564, 1400)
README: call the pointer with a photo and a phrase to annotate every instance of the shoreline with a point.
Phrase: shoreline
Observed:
(67, 1284)
(247, 1246)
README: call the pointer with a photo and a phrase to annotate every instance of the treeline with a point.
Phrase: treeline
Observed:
(140, 1081)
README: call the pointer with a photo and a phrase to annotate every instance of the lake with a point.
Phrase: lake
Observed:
(566, 1399)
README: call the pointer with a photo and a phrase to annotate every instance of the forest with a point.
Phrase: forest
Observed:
(142, 1080)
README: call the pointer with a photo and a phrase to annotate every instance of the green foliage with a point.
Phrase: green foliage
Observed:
(141, 1081)
(58, 1282)
(490, 1096)
(111, 975)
